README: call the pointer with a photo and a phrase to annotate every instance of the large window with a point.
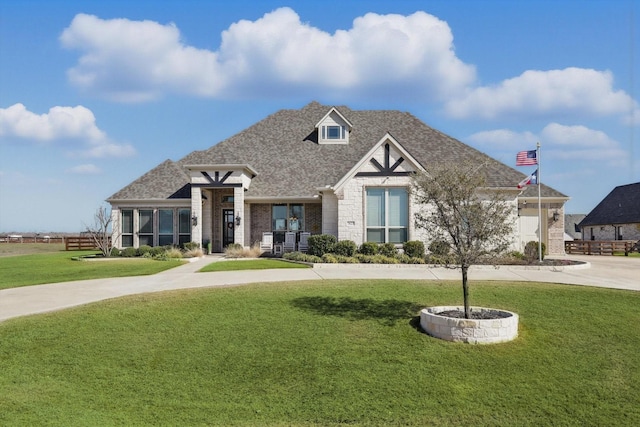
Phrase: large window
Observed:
(165, 227)
(387, 215)
(287, 217)
(127, 228)
(146, 227)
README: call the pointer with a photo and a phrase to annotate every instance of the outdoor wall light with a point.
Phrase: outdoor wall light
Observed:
(238, 219)
(194, 220)
(556, 216)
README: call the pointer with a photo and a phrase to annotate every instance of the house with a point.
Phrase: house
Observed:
(571, 226)
(616, 217)
(320, 169)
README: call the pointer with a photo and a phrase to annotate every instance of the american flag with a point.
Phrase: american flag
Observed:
(527, 158)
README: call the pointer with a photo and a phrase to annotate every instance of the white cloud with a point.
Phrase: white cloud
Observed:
(86, 169)
(142, 60)
(559, 142)
(503, 139)
(60, 124)
(543, 93)
(582, 143)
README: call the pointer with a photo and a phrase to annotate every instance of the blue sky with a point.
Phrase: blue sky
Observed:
(93, 94)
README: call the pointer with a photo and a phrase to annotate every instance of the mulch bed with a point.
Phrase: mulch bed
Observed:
(480, 315)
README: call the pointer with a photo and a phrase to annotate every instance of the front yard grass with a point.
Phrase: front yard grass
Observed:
(322, 354)
(36, 269)
(250, 264)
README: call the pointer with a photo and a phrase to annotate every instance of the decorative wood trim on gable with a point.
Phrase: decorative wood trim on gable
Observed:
(386, 169)
(216, 181)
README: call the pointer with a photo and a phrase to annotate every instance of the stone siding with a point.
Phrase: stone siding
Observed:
(608, 232)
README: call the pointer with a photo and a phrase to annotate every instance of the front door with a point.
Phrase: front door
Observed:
(227, 227)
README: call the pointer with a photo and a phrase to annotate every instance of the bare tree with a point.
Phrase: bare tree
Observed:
(100, 232)
(459, 209)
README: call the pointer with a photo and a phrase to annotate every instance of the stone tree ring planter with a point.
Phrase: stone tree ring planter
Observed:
(490, 326)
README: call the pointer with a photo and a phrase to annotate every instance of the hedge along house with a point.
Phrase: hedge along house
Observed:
(319, 169)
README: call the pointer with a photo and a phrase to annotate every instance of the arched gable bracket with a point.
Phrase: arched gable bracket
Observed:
(387, 169)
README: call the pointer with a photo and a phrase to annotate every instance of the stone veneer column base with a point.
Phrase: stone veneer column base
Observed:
(474, 331)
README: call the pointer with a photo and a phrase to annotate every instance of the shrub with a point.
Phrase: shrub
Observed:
(376, 259)
(531, 251)
(301, 257)
(143, 250)
(439, 248)
(115, 252)
(368, 248)
(329, 259)
(173, 253)
(345, 248)
(157, 251)
(193, 253)
(320, 244)
(388, 250)
(414, 249)
(190, 246)
(129, 252)
(406, 259)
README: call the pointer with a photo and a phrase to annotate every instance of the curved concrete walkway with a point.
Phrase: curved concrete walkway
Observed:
(608, 272)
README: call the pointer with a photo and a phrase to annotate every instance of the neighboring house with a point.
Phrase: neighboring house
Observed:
(319, 169)
(617, 216)
(571, 226)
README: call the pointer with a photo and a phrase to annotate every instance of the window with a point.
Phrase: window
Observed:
(184, 226)
(165, 227)
(146, 227)
(227, 199)
(296, 217)
(387, 215)
(279, 217)
(127, 228)
(333, 132)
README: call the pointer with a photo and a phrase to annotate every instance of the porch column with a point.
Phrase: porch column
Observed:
(238, 207)
(196, 212)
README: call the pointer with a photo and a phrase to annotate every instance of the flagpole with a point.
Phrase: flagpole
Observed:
(539, 206)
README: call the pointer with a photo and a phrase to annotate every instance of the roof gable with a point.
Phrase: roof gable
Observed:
(620, 206)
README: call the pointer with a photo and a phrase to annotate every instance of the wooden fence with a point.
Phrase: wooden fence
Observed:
(595, 247)
(79, 243)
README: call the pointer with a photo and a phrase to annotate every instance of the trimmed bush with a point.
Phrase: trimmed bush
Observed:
(531, 254)
(414, 249)
(439, 248)
(388, 250)
(345, 248)
(129, 252)
(115, 252)
(368, 248)
(143, 250)
(329, 259)
(320, 244)
(302, 257)
(157, 251)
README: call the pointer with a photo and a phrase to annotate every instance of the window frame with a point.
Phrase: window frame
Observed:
(126, 237)
(387, 228)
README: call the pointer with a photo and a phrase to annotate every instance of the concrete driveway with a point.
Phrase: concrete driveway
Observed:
(607, 272)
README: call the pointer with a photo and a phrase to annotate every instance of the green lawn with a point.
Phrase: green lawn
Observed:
(250, 264)
(26, 270)
(321, 354)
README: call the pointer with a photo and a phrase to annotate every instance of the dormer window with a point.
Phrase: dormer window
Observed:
(334, 128)
(333, 132)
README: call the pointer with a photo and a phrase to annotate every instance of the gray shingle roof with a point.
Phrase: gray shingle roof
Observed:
(283, 149)
(168, 180)
(621, 206)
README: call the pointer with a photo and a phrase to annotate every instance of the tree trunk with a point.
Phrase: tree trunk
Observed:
(465, 292)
